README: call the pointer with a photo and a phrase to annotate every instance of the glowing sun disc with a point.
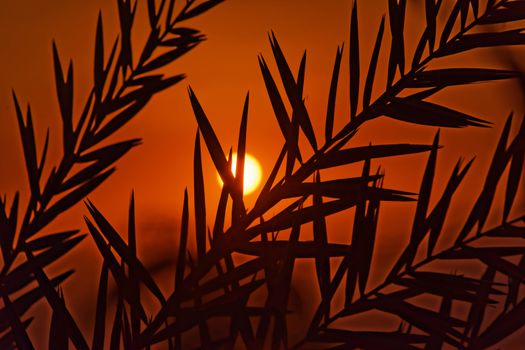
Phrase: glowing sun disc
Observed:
(252, 173)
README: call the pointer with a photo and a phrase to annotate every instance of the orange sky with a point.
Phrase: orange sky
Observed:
(221, 71)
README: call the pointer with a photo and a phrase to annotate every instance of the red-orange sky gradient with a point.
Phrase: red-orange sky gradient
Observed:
(221, 70)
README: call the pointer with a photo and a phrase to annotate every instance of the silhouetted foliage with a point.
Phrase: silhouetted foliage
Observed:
(214, 285)
(122, 87)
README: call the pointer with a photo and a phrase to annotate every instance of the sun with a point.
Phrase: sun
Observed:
(252, 172)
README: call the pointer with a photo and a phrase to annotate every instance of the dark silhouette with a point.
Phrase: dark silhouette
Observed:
(211, 285)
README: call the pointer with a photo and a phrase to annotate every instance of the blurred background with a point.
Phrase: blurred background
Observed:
(221, 70)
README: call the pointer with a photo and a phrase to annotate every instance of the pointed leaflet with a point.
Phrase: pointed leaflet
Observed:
(233, 276)
(359, 236)
(449, 25)
(64, 90)
(27, 300)
(324, 306)
(464, 13)
(22, 274)
(507, 230)
(370, 222)
(420, 48)
(7, 340)
(275, 98)
(166, 58)
(489, 255)
(169, 14)
(117, 122)
(424, 319)
(19, 332)
(462, 291)
(8, 227)
(43, 157)
(354, 62)
(27, 135)
(331, 188)
(123, 250)
(357, 154)
(271, 178)
(103, 158)
(516, 169)
(424, 94)
(183, 36)
(322, 264)
(152, 14)
(396, 10)
(450, 285)
(223, 305)
(50, 240)
(66, 202)
(58, 306)
(369, 339)
(300, 74)
(370, 77)
(145, 88)
(426, 113)
(515, 174)
(302, 249)
(284, 219)
(126, 16)
(122, 282)
(431, 16)
(293, 144)
(475, 7)
(500, 264)
(293, 92)
(514, 287)
(458, 76)
(116, 330)
(58, 339)
(436, 219)
(6, 239)
(56, 246)
(199, 199)
(181, 261)
(126, 330)
(199, 9)
(476, 313)
(98, 67)
(420, 224)
(502, 327)
(181, 256)
(481, 208)
(507, 11)
(481, 40)
(281, 287)
(113, 151)
(100, 316)
(330, 109)
(293, 137)
(212, 142)
(238, 209)
(134, 277)
(220, 216)
(436, 342)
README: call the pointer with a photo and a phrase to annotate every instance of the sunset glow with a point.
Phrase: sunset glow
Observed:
(252, 173)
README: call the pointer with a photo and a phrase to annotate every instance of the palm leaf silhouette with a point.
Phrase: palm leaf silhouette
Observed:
(121, 89)
(270, 236)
